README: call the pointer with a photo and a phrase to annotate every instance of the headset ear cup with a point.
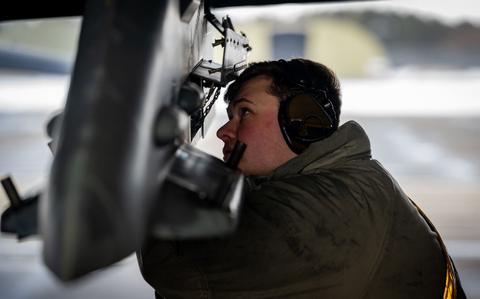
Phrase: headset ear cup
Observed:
(291, 130)
(303, 120)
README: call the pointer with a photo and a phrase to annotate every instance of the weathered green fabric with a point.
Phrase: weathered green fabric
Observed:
(330, 223)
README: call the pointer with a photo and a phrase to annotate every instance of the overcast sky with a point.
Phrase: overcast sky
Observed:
(449, 11)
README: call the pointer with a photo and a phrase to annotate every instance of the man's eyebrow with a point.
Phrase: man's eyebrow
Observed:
(236, 102)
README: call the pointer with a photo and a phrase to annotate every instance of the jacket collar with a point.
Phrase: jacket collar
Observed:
(348, 142)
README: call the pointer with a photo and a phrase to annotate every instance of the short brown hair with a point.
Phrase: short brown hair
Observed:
(285, 76)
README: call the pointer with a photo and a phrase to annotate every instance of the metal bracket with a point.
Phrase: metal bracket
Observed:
(208, 70)
(234, 55)
(235, 49)
(234, 60)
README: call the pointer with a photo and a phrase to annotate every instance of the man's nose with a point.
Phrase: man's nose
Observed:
(227, 132)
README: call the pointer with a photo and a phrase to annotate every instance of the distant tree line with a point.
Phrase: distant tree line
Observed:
(411, 40)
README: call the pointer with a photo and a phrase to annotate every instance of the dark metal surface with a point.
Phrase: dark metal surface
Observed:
(131, 61)
(23, 9)
(231, 3)
(11, 191)
(21, 218)
(200, 197)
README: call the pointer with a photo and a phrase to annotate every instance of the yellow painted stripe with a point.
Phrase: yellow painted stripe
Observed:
(449, 285)
(450, 290)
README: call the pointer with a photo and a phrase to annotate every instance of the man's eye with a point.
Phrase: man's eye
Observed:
(243, 112)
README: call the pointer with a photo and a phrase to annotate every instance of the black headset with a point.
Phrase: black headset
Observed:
(306, 116)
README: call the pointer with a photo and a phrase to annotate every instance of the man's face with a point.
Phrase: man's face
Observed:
(253, 121)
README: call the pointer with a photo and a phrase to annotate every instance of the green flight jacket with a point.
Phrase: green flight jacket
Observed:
(330, 223)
